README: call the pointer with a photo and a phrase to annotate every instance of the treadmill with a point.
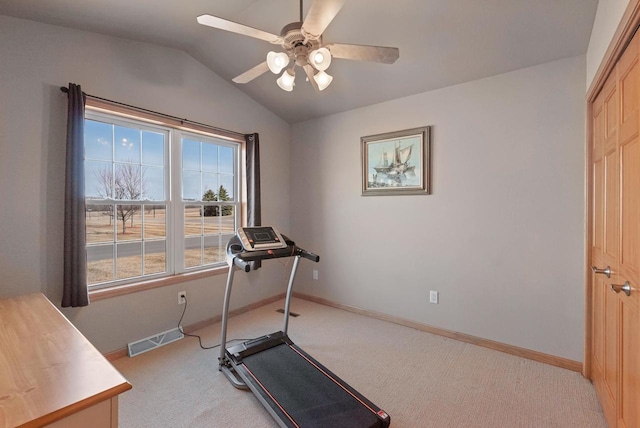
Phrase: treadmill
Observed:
(295, 389)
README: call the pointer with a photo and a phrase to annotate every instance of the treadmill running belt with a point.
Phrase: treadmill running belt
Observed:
(307, 395)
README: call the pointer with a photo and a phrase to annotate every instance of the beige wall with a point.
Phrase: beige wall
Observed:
(35, 60)
(501, 237)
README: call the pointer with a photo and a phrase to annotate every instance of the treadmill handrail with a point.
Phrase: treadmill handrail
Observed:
(244, 265)
(242, 259)
(236, 252)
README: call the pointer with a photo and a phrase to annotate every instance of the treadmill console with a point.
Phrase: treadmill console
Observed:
(260, 238)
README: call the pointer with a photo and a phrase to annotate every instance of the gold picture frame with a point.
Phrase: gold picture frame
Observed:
(396, 163)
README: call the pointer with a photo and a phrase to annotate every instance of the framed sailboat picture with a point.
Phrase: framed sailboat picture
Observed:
(396, 163)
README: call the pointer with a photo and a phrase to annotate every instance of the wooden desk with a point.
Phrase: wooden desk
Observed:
(50, 373)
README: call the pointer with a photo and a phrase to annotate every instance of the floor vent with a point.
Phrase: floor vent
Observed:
(291, 314)
(152, 342)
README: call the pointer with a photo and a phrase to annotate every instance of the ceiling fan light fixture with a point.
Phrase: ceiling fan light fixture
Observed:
(320, 58)
(323, 79)
(302, 44)
(277, 61)
(286, 81)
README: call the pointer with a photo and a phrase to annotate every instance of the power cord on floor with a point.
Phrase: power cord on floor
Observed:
(195, 335)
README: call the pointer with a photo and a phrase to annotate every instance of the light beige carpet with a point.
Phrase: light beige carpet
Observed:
(420, 379)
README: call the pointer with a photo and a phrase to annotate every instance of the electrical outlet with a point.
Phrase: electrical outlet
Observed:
(315, 274)
(433, 297)
(182, 297)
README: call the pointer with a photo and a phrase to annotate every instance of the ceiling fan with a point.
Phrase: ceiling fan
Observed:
(302, 43)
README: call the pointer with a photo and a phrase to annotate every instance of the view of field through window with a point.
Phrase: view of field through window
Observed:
(129, 209)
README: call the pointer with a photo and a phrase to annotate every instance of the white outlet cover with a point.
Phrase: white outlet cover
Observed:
(433, 296)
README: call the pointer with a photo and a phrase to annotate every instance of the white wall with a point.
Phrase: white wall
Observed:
(35, 60)
(605, 24)
(501, 237)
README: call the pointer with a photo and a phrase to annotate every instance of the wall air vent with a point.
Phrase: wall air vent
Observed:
(291, 314)
(152, 342)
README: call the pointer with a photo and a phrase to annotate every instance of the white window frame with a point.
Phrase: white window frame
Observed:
(174, 221)
(176, 174)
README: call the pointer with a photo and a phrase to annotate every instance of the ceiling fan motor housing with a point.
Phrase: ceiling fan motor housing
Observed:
(293, 41)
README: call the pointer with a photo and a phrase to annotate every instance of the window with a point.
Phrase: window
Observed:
(159, 200)
(209, 203)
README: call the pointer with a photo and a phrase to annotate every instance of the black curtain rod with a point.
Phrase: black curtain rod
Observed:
(168, 116)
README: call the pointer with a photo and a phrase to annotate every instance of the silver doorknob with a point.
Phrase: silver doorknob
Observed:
(618, 288)
(605, 271)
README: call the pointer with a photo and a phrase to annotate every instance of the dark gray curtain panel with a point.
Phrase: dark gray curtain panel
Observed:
(253, 179)
(75, 292)
(254, 213)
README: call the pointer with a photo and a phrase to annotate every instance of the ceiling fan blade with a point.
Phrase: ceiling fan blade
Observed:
(234, 27)
(249, 75)
(381, 54)
(320, 15)
(310, 72)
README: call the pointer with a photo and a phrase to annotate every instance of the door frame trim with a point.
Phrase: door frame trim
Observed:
(627, 26)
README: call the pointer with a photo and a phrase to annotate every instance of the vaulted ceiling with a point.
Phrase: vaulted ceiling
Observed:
(441, 42)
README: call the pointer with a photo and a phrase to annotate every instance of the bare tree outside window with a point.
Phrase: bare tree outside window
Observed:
(129, 184)
(105, 189)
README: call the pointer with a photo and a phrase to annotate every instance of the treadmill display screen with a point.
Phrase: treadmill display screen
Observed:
(260, 238)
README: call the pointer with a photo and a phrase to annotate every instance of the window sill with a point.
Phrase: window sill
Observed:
(107, 293)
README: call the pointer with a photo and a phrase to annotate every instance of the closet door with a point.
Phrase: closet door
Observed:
(615, 251)
(626, 284)
(604, 251)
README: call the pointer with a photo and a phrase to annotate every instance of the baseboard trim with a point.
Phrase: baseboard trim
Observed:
(485, 343)
(119, 353)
